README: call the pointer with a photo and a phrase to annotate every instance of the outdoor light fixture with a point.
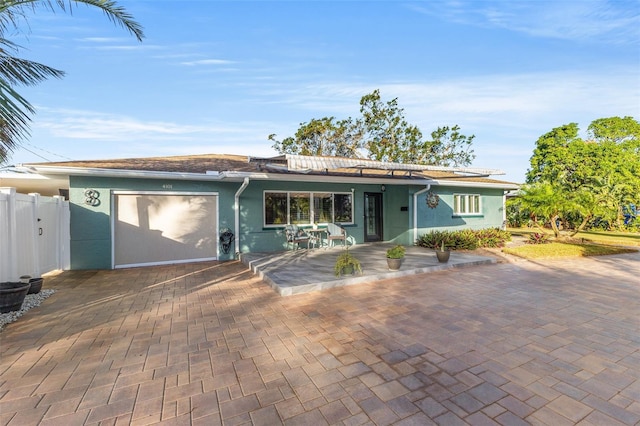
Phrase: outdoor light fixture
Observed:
(383, 188)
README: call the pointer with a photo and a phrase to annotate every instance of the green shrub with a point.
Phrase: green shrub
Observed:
(396, 252)
(433, 239)
(464, 239)
(492, 237)
(538, 238)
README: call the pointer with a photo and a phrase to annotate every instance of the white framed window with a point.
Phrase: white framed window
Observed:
(465, 204)
(299, 208)
(305, 208)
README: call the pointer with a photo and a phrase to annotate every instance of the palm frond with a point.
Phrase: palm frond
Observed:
(15, 111)
(9, 16)
(14, 118)
(114, 12)
(11, 10)
(22, 71)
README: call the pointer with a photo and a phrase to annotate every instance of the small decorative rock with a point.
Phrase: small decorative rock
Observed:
(30, 301)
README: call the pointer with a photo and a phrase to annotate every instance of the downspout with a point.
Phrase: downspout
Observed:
(504, 210)
(236, 207)
(415, 210)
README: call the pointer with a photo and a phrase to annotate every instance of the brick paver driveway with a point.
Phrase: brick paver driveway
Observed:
(512, 343)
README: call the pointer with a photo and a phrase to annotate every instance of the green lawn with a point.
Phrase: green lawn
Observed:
(551, 250)
(600, 237)
(590, 243)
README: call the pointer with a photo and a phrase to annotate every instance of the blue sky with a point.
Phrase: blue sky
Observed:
(219, 77)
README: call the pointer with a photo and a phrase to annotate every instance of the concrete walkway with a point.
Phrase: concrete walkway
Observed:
(302, 271)
(509, 343)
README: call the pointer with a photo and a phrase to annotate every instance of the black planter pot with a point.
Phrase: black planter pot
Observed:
(12, 295)
(443, 255)
(36, 285)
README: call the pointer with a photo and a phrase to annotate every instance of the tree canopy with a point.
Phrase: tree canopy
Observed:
(321, 137)
(381, 133)
(615, 129)
(596, 179)
(15, 110)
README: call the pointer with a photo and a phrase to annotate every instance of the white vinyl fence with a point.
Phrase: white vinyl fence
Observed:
(34, 234)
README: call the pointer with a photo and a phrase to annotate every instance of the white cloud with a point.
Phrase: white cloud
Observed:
(65, 124)
(88, 125)
(593, 20)
(207, 62)
(103, 39)
(77, 134)
(490, 99)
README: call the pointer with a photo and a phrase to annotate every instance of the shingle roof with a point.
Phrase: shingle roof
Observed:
(178, 164)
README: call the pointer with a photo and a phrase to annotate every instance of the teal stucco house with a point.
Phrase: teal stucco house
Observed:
(150, 211)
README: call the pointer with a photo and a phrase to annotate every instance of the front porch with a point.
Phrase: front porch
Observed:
(303, 271)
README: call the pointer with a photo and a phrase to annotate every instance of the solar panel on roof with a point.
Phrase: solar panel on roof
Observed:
(302, 162)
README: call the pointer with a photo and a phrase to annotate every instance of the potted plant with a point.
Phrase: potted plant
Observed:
(346, 264)
(443, 253)
(35, 285)
(395, 256)
(12, 295)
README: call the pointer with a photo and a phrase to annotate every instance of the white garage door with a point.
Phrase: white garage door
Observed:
(154, 228)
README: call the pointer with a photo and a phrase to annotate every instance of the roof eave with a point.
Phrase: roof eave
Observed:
(122, 173)
(471, 184)
(236, 176)
(386, 180)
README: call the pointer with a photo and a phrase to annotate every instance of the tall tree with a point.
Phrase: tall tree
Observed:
(15, 110)
(601, 175)
(322, 137)
(388, 136)
(550, 153)
(449, 147)
(382, 133)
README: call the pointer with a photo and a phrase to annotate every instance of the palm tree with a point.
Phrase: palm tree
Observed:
(15, 110)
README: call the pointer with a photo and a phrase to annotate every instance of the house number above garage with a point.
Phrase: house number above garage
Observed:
(167, 186)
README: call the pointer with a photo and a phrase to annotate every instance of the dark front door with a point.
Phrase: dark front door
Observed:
(372, 216)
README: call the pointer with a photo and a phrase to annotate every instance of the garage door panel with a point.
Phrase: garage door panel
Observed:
(164, 228)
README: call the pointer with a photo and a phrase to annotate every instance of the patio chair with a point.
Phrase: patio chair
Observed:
(295, 236)
(336, 233)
